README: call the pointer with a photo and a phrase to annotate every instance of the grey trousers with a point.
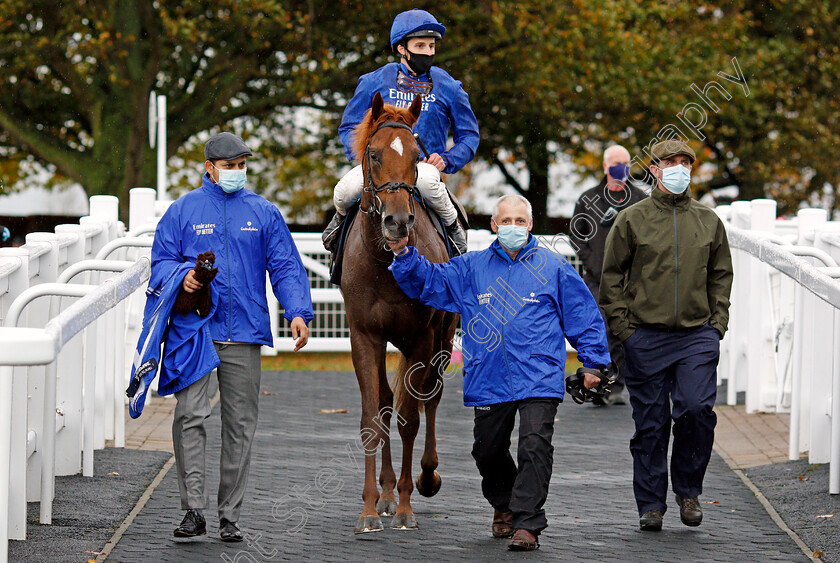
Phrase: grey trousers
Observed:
(239, 384)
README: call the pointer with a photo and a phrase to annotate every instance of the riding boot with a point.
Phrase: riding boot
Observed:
(330, 236)
(458, 237)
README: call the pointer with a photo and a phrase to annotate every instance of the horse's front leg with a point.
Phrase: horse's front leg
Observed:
(387, 504)
(412, 382)
(366, 354)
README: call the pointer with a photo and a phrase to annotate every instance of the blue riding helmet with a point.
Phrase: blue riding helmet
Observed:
(415, 23)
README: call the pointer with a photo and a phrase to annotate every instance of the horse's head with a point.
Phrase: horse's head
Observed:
(389, 155)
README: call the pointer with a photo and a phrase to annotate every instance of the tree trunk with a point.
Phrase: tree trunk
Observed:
(537, 162)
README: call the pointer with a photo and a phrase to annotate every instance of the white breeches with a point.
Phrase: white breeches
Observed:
(349, 189)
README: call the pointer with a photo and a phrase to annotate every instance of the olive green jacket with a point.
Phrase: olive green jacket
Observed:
(666, 265)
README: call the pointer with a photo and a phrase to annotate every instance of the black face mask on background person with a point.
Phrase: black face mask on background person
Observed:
(420, 64)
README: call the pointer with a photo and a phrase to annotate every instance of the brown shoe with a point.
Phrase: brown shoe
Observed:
(523, 540)
(502, 524)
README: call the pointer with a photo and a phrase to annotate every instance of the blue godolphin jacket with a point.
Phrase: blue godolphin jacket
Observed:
(188, 351)
(249, 237)
(446, 106)
(515, 315)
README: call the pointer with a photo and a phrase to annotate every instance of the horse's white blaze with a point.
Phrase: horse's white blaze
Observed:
(396, 144)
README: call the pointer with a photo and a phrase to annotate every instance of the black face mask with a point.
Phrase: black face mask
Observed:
(420, 63)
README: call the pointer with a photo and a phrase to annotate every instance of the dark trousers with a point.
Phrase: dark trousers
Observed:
(665, 367)
(522, 491)
(616, 349)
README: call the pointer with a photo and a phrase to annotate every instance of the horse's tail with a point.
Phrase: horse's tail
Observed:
(402, 387)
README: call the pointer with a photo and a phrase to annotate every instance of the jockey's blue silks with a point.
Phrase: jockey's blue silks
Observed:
(445, 106)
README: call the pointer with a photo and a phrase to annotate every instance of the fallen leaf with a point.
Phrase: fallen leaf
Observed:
(268, 393)
(826, 516)
(801, 478)
(711, 502)
(333, 411)
(94, 552)
(113, 473)
(819, 553)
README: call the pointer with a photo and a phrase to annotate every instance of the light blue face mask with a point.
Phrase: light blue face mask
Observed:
(231, 180)
(512, 237)
(676, 178)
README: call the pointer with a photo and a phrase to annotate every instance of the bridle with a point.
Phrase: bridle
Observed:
(393, 187)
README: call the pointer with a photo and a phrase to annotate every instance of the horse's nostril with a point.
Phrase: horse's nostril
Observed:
(389, 220)
(411, 219)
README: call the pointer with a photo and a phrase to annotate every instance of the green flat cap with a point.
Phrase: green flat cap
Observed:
(671, 147)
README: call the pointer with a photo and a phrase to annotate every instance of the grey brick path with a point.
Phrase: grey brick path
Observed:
(592, 515)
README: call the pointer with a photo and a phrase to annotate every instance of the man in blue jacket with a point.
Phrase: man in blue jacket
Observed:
(445, 106)
(249, 237)
(517, 302)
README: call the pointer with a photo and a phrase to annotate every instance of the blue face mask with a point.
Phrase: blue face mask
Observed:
(619, 172)
(231, 180)
(676, 178)
(512, 237)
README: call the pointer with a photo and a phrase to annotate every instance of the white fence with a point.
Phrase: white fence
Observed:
(783, 347)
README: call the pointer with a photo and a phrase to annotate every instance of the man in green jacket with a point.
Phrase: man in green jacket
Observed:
(665, 292)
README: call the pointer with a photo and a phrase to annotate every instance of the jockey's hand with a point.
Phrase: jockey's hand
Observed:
(300, 332)
(399, 246)
(191, 285)
(591, 381)
(436, 160)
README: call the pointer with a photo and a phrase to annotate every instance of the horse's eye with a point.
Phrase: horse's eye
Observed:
(374, 156)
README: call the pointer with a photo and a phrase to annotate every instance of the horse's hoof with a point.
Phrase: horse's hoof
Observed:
(386, 507)
(404, 522)
(367, 524)
(426, 489)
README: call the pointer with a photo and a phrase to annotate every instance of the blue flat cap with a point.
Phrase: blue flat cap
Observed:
(225, 146)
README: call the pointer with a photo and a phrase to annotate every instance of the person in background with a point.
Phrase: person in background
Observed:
(594, 215)
(665, 292)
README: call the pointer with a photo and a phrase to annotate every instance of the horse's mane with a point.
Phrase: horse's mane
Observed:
(366, 128)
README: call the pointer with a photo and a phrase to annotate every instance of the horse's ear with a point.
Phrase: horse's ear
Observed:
(416, 107)
(376, 107)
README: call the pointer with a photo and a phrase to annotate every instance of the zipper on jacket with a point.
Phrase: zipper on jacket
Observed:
(504, 351)
(676, 268)
(230, 274)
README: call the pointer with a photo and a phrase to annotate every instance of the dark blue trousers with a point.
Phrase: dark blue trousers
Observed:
(665, 367)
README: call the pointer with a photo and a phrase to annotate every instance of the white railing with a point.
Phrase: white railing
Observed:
(62, 397)
(783, 346)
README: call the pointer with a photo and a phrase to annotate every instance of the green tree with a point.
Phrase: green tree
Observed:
(77, 75)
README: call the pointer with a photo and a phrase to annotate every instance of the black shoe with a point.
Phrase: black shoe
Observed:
(651, 521)
(229, 531)
(192, 525)
(690, 512)
(458, 237)
(330, 236)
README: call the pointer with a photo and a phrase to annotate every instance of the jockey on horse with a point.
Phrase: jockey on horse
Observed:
(445, 106)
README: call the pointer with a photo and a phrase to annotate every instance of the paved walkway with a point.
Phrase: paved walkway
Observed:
(292, 511)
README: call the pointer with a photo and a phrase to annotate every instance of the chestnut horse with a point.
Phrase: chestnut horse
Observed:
(379, 312)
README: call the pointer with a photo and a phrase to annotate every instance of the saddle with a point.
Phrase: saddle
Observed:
(337, 258)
